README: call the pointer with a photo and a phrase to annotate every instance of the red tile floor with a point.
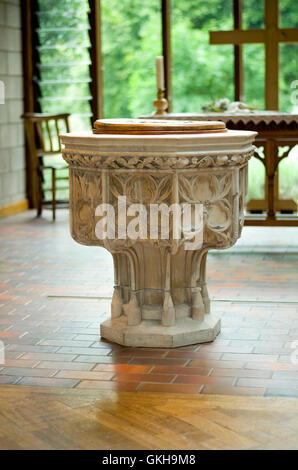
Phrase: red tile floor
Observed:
(54, 294)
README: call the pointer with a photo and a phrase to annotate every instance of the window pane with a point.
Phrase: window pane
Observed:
(256, 179)
(131, 39)
(252, 14)
(254, 75)
(64, 59)
(288, 176)
(201, 72)
(288, 14)
(288, 54)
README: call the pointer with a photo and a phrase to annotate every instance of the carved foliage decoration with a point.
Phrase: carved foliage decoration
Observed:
(86, 195)
(163, 162)
(214, 192)
(145, 189)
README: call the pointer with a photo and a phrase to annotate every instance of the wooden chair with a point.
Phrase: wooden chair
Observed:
(42, 133)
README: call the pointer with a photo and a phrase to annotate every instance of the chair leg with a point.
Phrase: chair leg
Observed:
(54, 193)
(39, 193)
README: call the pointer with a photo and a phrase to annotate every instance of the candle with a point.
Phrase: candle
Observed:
(159, 73)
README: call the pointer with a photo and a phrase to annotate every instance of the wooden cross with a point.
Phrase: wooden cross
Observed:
(271, 36)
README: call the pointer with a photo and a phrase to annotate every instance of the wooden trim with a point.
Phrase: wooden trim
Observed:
(30, 87)
(237, 37)
(238, 59)
(288, 35)
(27, 55)
(14, 208)
(279, 204)
(96, 69)
(166, 49)
(271, 55)
(271, 222)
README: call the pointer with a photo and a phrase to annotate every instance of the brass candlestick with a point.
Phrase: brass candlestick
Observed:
(161, 103)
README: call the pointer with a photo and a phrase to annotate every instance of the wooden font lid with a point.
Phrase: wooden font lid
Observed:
(156, 126)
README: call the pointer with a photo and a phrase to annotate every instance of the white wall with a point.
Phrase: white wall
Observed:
(12, 153)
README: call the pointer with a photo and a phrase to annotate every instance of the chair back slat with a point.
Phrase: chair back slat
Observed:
(66, 124)
(49, 136)
(58, 132)
(38, 127)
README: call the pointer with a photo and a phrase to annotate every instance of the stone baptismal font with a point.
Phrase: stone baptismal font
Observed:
(158, 195)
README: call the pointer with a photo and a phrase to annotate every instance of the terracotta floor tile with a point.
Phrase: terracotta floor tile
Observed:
(10, 334)
(160, 353)
(144, 378)
(224, 390)
(158, 362)
(285, 374)
(47, 382)
(26, 339)
(83, 351)
(263, 349)
(194, 355)
(65, 342)
(267, 383)
(201, 379)
(281, 392)
(109, 385)
(20, 363)
(228, 348)
(181, 370)
(29, 348)
(169, 388)
(23, 371)
(241, 373)
(102, 343)
(65, 365)
(103, 359)
(223, 364)
(84, 375)
(8, 379)
(123, 368)
(250, 357)
(270, 366)
(86, 337)
(49, 357)
(219, 341)
(13, 355)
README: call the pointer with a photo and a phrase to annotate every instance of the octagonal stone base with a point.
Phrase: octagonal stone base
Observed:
(149, 333)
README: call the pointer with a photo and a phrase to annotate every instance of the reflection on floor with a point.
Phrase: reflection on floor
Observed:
(45, 418)
(54, 294)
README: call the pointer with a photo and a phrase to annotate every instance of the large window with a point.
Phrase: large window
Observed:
(131, 37)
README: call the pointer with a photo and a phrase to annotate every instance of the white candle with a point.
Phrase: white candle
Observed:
(159, 73)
